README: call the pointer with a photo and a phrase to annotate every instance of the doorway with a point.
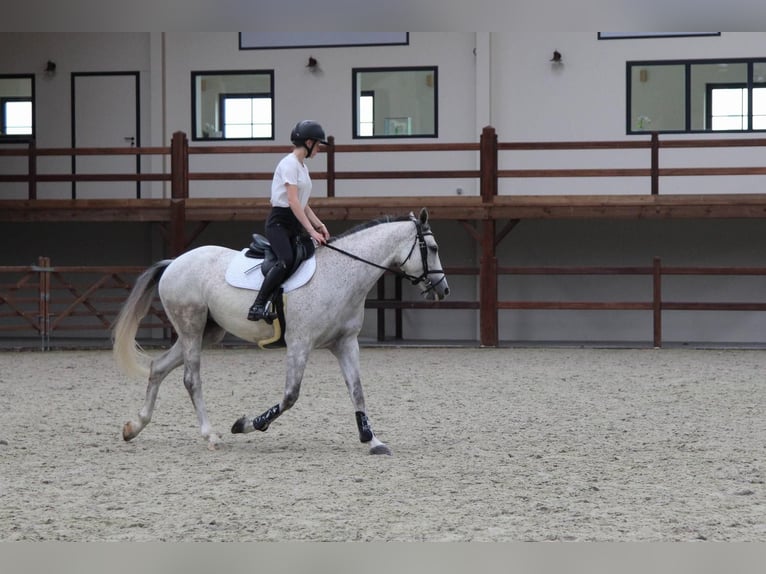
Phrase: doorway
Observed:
(105, 114)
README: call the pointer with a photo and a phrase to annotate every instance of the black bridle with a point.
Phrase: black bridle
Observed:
(420, 241)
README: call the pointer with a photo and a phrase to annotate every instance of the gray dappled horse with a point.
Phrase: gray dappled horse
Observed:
(326, 312)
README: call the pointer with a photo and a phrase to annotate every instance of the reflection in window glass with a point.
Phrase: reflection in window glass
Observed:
(17, 116)
(366, 114)
(728, 109)
(246, 118)
(759, 108)
(657, 98)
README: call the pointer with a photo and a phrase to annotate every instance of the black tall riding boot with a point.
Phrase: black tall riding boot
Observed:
(271, 282)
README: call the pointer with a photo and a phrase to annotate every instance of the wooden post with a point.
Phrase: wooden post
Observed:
(179, 166)
(179, 192)
(44, 266)
(488, 164)
(655, 164)
(32, 169)
(488, 261)
(488, 286)
(657, 301)
(177, 237)
(331, 166)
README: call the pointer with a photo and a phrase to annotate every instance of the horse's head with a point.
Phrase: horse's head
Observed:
(423, 265)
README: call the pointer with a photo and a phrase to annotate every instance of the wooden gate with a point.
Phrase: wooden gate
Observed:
(39, 300)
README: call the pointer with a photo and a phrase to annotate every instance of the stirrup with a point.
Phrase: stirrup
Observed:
(258, 312)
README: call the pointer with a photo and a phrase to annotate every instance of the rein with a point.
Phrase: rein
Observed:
(420, 241)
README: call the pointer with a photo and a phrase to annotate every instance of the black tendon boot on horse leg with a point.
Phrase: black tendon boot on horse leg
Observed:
(272, 280)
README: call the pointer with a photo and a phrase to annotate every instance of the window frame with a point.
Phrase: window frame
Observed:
(687, 103)
(197, 134)
(434, 70)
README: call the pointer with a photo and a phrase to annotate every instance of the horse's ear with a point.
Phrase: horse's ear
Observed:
(424, 216)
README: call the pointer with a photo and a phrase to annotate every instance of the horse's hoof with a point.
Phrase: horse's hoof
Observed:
(127, 432)
(213, 441)
(381, 449)
(239, 426)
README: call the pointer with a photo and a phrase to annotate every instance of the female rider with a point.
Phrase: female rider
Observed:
(290, 213)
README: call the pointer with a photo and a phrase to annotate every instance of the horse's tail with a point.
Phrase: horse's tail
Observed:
(128, 354)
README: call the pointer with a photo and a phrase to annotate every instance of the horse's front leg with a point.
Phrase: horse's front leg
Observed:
(295, 363)
(346, 350)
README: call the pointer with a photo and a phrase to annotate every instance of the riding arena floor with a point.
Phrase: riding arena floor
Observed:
(513, 444)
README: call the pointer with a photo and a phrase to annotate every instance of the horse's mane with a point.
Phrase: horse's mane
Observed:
(371, 223)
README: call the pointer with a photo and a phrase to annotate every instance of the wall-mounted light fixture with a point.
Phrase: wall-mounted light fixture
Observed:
(557, 59)
(50, 68)
(313, 65)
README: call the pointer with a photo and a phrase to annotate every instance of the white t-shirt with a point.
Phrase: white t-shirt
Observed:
(290, 171)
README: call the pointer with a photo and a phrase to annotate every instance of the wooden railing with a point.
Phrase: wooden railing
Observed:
(488, 173)
(43, 300)
(33, 177)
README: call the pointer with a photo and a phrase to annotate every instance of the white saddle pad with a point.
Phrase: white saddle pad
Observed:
(245, 273)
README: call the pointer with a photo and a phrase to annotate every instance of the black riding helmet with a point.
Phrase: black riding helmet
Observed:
(307, 130)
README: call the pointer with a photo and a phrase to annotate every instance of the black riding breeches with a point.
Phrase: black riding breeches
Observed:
(281, 230)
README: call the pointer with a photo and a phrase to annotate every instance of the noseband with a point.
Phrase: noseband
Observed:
(420, 241)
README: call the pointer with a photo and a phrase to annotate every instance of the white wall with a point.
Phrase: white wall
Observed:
(532, 100)
(326, 96)
(72, 53)
(585, 99)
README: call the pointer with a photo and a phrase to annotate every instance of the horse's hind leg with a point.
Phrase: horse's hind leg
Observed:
(192, 350)
(160, 368)
(164, 364)
(347, 352)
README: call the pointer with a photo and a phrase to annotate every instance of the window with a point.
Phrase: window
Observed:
(17, 107)
(236, 105)
(395, 102)
(696, 96)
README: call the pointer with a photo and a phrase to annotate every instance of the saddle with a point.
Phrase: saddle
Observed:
(260, 248)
